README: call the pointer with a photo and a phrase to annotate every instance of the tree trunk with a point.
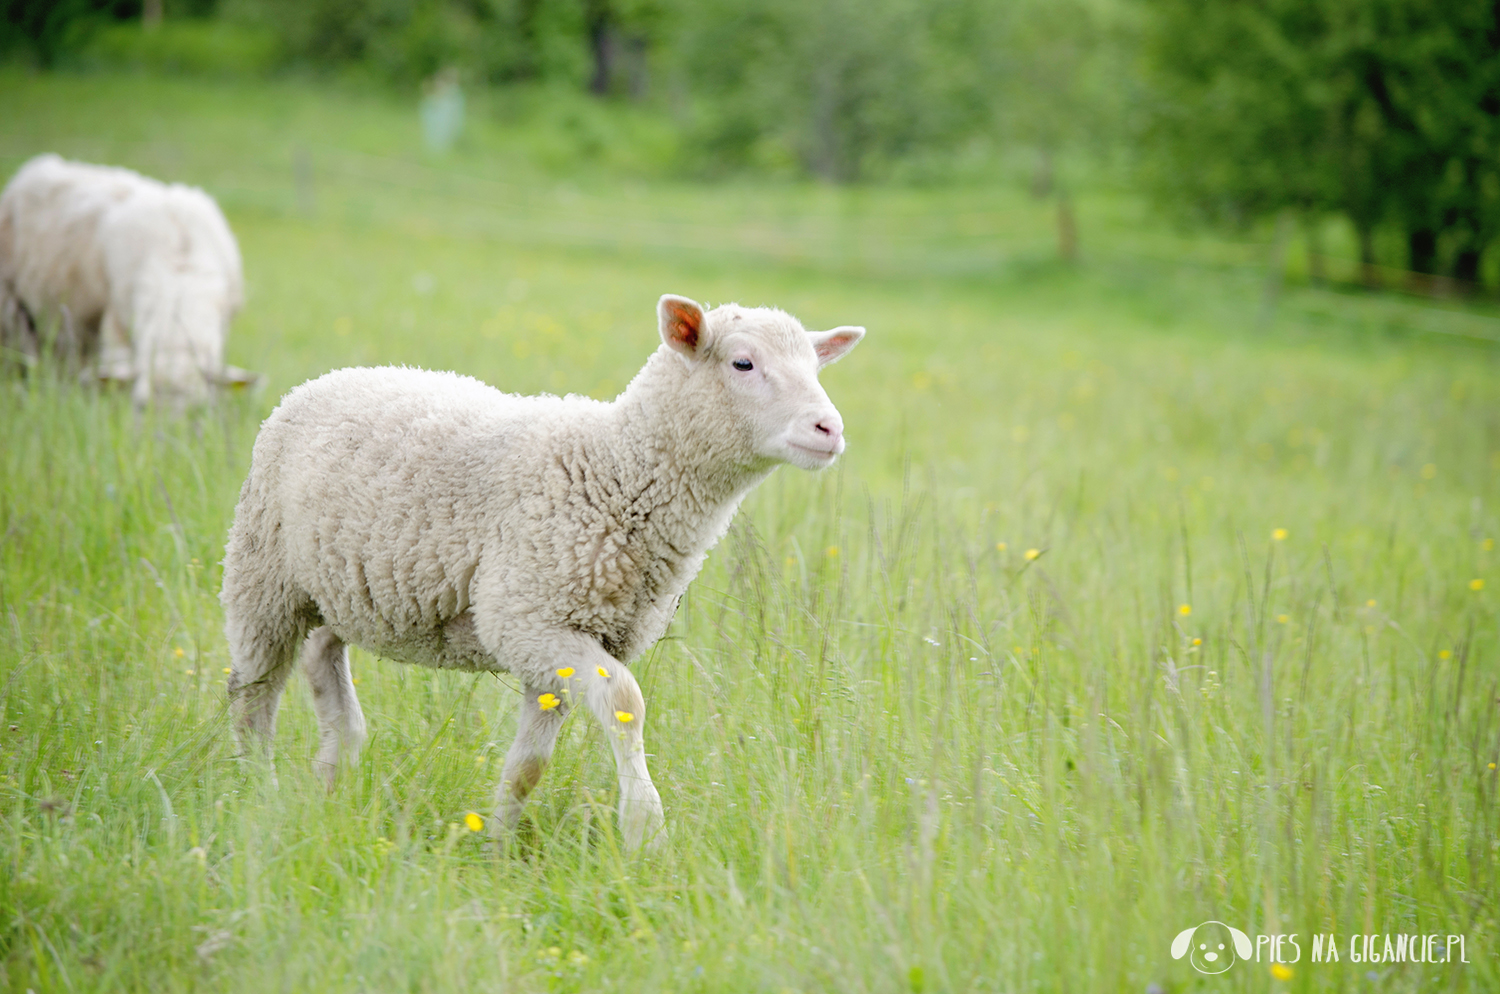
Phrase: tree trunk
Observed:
(1275, 269)
(1466, 266)
(1422, 249)
(1368, 275)
(1067, 228)
(637, 80)
(1313, 232)
(602, 43)
(1041, 180)
(599, 23)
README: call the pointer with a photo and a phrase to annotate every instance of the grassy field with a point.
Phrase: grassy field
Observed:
(1129, 607)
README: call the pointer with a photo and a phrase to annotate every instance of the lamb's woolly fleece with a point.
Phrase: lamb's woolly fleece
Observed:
(138, 277)
(435, 520)
(393, 501)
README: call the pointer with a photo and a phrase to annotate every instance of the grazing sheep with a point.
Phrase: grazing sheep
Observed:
(434, 520)
(135, 279)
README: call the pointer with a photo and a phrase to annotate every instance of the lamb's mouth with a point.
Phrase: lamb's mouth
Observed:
(825, 454)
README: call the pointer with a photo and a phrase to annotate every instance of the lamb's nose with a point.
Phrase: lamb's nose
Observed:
(831, 426)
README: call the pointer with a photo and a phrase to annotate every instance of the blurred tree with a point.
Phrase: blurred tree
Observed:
(44, 29)
(1387, 111)
(1064, 89)
(492, 41)
(620, 33)
(839, 86)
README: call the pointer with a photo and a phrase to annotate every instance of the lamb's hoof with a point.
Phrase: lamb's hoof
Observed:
(504, 828)
(643, 831)
(655, 841)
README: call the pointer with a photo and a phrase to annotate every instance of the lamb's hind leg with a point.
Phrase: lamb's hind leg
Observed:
(341, 724)
(262, 648)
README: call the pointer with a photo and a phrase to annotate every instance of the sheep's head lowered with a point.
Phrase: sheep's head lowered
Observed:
(759, 367)
(175, 285)
(180, 324)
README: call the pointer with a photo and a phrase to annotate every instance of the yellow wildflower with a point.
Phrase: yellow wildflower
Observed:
(1197, 641)
(603, 672)
(548, 701)
(1000, 546)
(565, 672)
(1282, 619)
(1492, 766)
(1445, 653)
(831, 551)
(189, 672)
(1032, 554)
(1370, 602)
(624, 717)
(1279, 534)
(473, 822)
(1281, 971)
(1476, 584)
(178, 652)
(228, 670)
(1184, 609)
(1487, 545)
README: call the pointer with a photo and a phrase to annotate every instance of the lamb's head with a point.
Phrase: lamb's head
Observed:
(758, 368)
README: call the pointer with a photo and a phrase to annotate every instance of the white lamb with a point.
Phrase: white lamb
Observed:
(135, 278)
(434, 520)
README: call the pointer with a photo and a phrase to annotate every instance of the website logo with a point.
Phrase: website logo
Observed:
(1212, 947)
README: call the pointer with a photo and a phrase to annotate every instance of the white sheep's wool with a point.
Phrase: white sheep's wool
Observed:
(432, 519)
(139, 279)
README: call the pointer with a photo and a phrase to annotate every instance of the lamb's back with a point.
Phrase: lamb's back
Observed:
(54, 208)
(386, 483)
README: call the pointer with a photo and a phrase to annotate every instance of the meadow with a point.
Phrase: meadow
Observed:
(1133, 603)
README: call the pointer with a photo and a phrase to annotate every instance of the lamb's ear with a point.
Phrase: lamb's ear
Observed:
(681, 323)
(831, 346)
(1241, 943)
(1180, 944)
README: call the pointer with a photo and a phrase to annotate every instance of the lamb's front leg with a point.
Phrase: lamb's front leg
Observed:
(115, 359)
(580, 672)
(541, 717)
(612, 694)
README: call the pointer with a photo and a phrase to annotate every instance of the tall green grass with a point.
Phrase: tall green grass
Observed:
(898, 750)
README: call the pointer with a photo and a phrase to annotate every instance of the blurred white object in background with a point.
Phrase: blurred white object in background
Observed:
(442, 110)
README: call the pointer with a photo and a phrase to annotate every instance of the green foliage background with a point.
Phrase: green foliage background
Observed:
(1382, 115)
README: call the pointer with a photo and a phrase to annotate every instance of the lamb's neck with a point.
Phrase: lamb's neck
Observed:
(675, 461)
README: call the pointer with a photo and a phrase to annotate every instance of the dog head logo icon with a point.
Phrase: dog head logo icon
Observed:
(1212, 947)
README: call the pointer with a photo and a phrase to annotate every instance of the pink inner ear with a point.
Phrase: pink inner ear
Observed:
(837, 345)
(685, 324)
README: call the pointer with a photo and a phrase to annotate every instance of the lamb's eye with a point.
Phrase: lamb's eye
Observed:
(743, 365)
